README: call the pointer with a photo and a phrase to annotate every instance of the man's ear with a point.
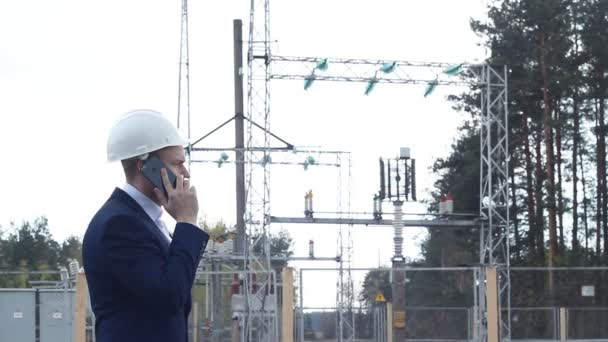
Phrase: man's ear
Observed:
(140, 164)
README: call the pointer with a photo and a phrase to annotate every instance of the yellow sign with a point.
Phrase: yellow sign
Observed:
(380, 297)
(399, 319)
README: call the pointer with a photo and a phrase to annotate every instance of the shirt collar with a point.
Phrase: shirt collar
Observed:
(152, 209)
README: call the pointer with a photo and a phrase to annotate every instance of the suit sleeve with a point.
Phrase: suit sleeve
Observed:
(137, 263)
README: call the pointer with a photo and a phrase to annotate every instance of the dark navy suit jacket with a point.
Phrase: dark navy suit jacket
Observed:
(139, 284)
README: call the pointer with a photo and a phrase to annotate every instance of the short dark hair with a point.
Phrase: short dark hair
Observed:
(130, 167)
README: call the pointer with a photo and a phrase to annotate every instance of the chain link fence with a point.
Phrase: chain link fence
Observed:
(546, 305)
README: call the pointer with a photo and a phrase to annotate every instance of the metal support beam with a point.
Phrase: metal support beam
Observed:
(232, 257)
(383, 222)
(363, 70)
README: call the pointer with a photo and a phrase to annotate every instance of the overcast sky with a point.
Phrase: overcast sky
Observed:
(68, 68)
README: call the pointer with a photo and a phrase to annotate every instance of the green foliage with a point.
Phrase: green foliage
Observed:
(459, 176)
(216, 230)
(32, 243)
(30, 247)
(281, 244)
(71, 249)
(375, 281)
(568, 38)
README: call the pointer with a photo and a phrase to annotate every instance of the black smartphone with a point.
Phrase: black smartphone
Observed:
(151, 171)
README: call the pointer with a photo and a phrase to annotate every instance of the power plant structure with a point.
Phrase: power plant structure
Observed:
(258, 317)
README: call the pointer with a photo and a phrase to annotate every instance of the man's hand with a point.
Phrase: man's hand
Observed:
(181, 202)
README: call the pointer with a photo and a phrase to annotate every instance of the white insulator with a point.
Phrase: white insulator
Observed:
(63, 272)
(74, 267)
(311, 248)
(449, 206)
(442, 207)
(398, 230)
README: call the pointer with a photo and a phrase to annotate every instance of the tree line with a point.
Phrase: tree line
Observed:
(556, 53)
(29, 246)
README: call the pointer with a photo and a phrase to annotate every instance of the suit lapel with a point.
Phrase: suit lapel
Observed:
(122, 196)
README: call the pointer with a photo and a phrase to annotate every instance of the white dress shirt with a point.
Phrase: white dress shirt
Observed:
(152, 209)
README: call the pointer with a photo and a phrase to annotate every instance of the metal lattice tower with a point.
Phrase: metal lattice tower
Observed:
(260, 323)
(345, 296)
(183, 96)
(494, 232)
(494, 191)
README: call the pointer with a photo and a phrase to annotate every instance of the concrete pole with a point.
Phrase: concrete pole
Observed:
(563, 324)
(194, 316)
(287, 305)
(236, 331)
(493, 311)
(239, 137)
(389, 322)
(398, 284)
(80, 308)
(216, 302)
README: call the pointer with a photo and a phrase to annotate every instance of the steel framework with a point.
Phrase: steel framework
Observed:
(494, 195)
(262, 325)
(183, 92)
(258, 325)
(345, 296)
(494, 192)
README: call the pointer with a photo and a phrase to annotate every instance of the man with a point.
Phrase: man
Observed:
(139, 275)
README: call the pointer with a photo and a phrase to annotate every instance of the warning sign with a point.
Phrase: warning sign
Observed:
(588, 291)
(380, 297)
(399, 319)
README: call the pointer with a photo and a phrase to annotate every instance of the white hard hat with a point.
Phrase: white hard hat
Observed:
(139, 132)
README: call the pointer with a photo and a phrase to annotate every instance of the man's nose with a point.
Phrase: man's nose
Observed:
(185, 172)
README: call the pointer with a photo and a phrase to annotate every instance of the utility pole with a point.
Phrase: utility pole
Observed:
(239, 137)
(398, 276)
(239, 242)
